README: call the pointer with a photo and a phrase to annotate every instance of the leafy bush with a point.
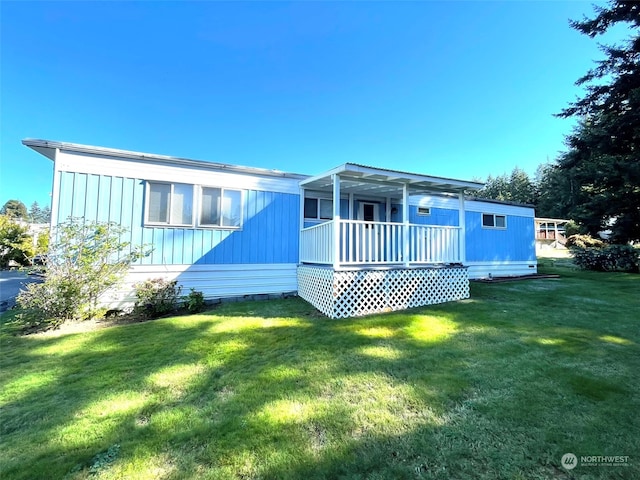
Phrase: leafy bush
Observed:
(86, 260)
(156, 297)
(584, 241)
(572, 228)
(16, 246)
(611, 258)
(194, 301)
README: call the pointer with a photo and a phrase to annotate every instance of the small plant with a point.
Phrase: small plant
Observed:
(156, 296)
(194, 301)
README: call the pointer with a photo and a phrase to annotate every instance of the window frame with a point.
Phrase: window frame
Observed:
(219, 226)
(424, 213)
(318, 217)
(494, 217)
(170, 222)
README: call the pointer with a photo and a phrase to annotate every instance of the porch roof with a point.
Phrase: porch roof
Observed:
(382, 182)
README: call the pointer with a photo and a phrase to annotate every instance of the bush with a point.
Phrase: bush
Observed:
(572, 228)
(584, 241)
(194, 301)
(16, 246)
(611, 258)
(156, 297)
(85, 261)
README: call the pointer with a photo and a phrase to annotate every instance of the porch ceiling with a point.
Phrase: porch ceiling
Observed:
(365, 180)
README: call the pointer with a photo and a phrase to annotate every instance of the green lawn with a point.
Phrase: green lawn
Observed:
(498, 386)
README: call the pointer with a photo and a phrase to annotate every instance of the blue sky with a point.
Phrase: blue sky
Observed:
(455, 89)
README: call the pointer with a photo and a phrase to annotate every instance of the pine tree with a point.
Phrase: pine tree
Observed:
(603, 160)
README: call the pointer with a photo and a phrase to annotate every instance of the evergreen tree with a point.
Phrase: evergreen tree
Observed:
(14, 209)
(602, 164)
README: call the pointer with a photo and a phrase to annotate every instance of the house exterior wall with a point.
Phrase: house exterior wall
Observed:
(260, 257)
(489, 251)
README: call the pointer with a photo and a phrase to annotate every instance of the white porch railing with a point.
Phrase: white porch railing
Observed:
(380, 243)
(316, 243)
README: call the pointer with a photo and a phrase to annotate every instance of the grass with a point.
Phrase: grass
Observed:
(498, 386)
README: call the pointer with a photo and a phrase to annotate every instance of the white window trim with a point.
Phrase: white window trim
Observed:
(424, 214)
(219, 227)
(318, 209)
(169, 206)
(493, 227)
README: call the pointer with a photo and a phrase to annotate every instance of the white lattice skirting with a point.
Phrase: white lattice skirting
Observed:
(342, 294)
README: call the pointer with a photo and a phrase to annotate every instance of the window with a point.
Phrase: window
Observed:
(489, 220)
(170, 203)
(424, 211)
(220, 207)
(320, 208)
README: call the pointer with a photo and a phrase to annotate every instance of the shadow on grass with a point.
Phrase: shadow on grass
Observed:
(492, 387)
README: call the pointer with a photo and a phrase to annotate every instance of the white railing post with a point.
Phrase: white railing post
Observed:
(301, 239)
(405, 223)
(336, 220)
(462, 256)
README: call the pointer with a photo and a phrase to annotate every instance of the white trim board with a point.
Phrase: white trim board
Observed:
(479, 270)
(131, 168)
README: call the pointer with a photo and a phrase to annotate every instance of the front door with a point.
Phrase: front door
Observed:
(370, 237)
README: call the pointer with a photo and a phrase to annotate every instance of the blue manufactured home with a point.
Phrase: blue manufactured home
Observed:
(352, 241)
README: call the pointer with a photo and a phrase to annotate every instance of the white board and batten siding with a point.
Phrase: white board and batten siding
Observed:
(259, 258)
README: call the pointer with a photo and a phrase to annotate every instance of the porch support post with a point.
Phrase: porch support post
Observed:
(301, 220)
(336, 220)
(387, 210)
(555, 233)
(463, 229)
(405, 221)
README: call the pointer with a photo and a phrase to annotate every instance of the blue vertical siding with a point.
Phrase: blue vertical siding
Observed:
(515, 243)
(438, 216)
(269, 234)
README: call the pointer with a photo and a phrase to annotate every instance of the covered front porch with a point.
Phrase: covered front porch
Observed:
(364, 244)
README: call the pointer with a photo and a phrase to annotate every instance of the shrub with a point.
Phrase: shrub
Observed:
(611, 258)
(194, 301)
(584, 241)
(16, 246)
(156, 296)
(86, 260)
(572, 228)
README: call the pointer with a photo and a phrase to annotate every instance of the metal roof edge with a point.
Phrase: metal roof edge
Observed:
(500, 202)
(416, 176)
(39, 144)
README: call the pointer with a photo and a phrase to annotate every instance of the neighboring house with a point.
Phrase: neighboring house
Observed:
(550, 232)
(351, 241)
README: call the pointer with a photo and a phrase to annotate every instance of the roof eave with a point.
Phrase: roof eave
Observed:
(48, 147)
(397, 177)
